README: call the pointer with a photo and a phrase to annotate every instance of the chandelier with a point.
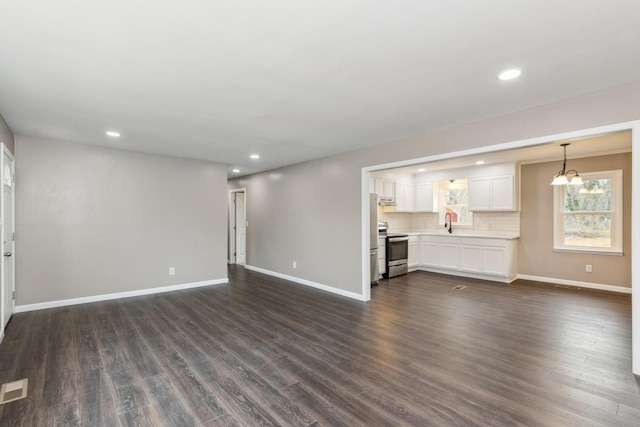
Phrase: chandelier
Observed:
(564, 176)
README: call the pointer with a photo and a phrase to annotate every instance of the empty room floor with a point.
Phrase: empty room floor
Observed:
(264, 351)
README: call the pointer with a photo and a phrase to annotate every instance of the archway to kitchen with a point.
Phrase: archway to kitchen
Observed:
(633, 127)
(237, 233)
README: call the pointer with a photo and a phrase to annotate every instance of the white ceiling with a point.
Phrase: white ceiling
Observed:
(295, 80)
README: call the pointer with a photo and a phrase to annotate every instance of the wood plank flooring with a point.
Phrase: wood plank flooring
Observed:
(263, 351)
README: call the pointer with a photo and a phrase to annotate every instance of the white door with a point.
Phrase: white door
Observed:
(241, 229)
(7, 234)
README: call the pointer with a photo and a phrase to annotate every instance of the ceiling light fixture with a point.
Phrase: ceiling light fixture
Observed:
(509, 74)
(480, 162)
(113, 134)
(421, 170)
(255, 156)
(562, 177)
(236, 170)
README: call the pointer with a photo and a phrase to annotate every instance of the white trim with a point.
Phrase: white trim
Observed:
(635, 248)
(309, 283)
(231, 221)
(559, 215)
(523, 143)
(118, 295)
(576, 283)
(3, 237)
(366, 245)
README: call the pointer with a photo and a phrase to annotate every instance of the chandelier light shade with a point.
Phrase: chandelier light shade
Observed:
(564, 176)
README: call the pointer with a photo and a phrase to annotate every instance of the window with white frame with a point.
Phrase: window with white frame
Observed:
(454, 199)
(588, 217)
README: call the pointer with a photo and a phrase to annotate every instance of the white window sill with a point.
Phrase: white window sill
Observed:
(589, 251)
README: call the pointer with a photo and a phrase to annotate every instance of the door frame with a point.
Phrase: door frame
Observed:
(231, 232)
(3, 231)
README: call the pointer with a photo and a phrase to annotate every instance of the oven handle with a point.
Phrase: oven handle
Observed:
(398, 239)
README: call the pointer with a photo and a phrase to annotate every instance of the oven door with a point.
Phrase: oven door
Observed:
(397, 253)
(397, 250)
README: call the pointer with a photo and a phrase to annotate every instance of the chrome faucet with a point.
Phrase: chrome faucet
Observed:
(448, 226)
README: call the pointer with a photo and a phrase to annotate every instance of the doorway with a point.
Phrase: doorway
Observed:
(7, 235)
(237, 227)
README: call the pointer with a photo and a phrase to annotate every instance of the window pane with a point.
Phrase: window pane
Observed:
(588, 230)
(593, 196)
(454, 200)
(459, 214)
(457, 197)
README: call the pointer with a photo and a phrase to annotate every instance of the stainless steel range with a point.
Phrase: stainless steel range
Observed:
(397, 251)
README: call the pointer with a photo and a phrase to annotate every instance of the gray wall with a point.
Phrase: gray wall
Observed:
(92, 221)
(311, 212)
(535, 248)
(6, 135)
(308, 213)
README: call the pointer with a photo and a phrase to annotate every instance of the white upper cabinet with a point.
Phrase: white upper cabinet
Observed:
(494, 187)
(503, 193)
(386, 188)
(424, 197)
(493, 193)
(480, 194)
(405, 197)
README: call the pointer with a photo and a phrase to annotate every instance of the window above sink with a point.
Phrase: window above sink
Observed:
(453, 198)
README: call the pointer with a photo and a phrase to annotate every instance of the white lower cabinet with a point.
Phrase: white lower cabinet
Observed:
(429, 255)
(471, 259)
(438, 252)
(494, 261)
(485, 258)
(414, 253)
(449, 259)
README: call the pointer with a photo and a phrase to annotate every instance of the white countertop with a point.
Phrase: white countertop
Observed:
(484, 234)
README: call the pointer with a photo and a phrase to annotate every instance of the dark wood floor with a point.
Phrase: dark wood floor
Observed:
(263, 351)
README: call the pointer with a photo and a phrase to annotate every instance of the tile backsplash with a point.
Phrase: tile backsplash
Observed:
(423, 221)
(499, 221)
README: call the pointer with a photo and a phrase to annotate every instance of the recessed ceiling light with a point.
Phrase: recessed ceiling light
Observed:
(255, 156)
(480, 162)
(113, 134)
(509, 74)
(421, 170)
(236, 170)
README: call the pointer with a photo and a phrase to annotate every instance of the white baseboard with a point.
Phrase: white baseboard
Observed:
(305, 282)
(577, 284)
(106, 297)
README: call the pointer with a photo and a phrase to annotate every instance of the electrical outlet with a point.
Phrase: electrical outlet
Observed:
(588, 268)
(294, 264)
(172, 271)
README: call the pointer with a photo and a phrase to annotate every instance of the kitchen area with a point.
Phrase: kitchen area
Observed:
(462, 221)
(497, 217)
